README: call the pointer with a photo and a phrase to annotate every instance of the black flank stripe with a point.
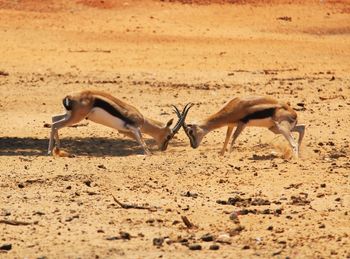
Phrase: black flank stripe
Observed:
(259, 115)
(111, 110)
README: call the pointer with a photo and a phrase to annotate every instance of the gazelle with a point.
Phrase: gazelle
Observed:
(103, 108)
(258, 111)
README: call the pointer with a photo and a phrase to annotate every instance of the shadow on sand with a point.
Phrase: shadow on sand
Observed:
(27, 146)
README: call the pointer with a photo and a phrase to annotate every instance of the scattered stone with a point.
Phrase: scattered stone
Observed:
(234, 217)
(338, 199)
(285, 18)
(124, 235)
(3, 73)
(39, 213)
(236, 231)
(190, 194)
(207, 237)
(242, 202)
(158, 241)
(323, 185)
(214, 247)
(299, 200)
(112, 238)
(322, 226)
(224, 239)
(21, 185)
(277, 252)
(87, 183)
(246, 247)
(195, 247)
(101, 167)
(270, 228)
(6, 247)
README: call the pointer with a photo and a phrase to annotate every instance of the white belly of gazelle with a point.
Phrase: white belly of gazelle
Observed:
(100, 116)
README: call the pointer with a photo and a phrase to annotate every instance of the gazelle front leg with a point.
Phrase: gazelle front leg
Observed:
(240, 127)
(284, 129)
(227, 139)
(138, 136)
(301, 130)
(66, 121)
(55, 119)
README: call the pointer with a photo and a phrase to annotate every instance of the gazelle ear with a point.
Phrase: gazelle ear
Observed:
(169, 123)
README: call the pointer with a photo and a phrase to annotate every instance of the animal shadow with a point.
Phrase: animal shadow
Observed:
(97, 146)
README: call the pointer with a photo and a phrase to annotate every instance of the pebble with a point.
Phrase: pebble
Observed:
(125, 235)
(6, 247)
(214, 247)
(195, 247)
(158, 241)
(224, 238)
(207, 237)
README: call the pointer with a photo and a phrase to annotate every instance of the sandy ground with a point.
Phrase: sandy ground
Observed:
(253, 202)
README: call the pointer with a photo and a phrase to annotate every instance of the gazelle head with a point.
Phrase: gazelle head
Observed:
(168, 133)
(193, 131)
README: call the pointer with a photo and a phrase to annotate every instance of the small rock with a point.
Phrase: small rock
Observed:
(214, 247)
(87, 183)
(3, 73)
(21, 185)
(124, 235)
(323, 185)
(207, 237)
(234, 216)
(236, 231)
(190, 194)
(195, 247)
(158, 241)
(6, 247)
(224, 238)
(112, 238)
(246, 247)
(101, 167)
(270, 228)
(322, 226)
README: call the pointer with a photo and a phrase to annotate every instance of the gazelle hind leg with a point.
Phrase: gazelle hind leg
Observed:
(138, 136)
(284, 129)
(227, 139)
(240, 127)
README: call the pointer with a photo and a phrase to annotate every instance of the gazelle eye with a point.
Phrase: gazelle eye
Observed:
(168, 137)
(190, 132)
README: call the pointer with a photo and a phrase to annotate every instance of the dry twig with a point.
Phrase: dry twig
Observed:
(15, 222)
(187, 222)
(133, 206)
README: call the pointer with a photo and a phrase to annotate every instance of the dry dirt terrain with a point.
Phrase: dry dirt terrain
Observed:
(255, 202)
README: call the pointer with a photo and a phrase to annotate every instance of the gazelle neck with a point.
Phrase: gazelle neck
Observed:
(209, 124)
(154, 128)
